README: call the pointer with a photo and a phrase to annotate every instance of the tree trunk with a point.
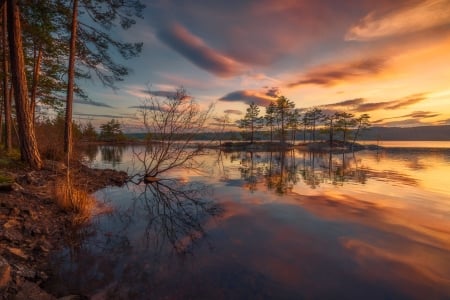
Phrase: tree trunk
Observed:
(6, 88)
(71, 82)
(28, 147)
(36, 70)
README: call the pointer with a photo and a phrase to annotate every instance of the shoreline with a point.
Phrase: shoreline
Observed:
(33, 225)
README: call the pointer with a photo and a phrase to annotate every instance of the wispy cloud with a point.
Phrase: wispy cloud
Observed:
(414, 115)
(249, 96)
(392, 105)
(93, 103)
(198, 52)
(99, 116)
(423, 15)
(346, 103)
(233, 112)
(331, 74)
(361, 105)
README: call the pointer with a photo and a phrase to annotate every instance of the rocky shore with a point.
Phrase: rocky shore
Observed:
(32, 225)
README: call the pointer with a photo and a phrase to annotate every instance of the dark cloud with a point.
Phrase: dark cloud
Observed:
(247, 96)
(149, 107)
(345, 103)
(233, 112)
(413, 115)
(273, 92)
(195, 49)
(422, 114)
(371, 106)
(407, 101)
(93, 103)
(391, 105)
(331, 74)
(166, 94)
(402, 123)
(443, 122)
(99, 115)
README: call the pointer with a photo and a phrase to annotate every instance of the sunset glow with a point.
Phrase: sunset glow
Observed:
(317, 53)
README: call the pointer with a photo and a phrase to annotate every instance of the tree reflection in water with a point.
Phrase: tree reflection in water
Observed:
(176, 212)
(112, 154)
(128, 252)
(281, 171)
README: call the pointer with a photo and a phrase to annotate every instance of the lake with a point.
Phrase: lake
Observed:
(268, 225)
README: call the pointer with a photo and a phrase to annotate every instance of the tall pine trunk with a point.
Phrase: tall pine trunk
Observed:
(28, 147)
(71, 83)
(34, 85)
(6, 88)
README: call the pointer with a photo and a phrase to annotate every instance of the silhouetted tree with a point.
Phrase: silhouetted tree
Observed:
(314, 115)
(284, 108)
(251, 120)
(362, 122)
(270, 118)
(344, 122)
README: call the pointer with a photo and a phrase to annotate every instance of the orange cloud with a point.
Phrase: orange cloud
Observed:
(331, 74)
(424, 15)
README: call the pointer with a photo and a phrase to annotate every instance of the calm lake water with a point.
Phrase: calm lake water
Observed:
(269, 225)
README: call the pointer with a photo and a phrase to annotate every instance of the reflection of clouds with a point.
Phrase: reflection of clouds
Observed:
(388, 247)
(417, 272)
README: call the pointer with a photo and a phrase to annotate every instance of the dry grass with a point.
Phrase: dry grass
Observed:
(73, 199)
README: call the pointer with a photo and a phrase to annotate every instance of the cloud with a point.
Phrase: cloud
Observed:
(233, 112)
(248, 96)
(93, 103)
(99, 115)
(360, 105)
(407, 101)
(392, 105)
(413, 115)
(198, 52)
(423, 15)
(332, 74)
(346, 103)
(273, 92)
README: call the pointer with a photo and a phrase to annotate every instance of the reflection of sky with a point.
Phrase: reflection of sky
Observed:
(388, 237)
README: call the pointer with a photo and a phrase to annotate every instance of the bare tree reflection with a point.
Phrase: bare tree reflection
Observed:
(125, 252)
(176, 212)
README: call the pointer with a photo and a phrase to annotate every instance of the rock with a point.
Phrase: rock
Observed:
(43, 246)
(6, 186)
(11, 223)
(24, 271)
(12, 235)
(17, 187)
(52, 165)
(29, 290)
(17, 252)
(73, 297)
(32, 178)
(5, 273)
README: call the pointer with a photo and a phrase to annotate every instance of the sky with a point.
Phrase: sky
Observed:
(387, 58)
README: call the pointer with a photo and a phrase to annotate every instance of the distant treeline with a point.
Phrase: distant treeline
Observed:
(421, 133)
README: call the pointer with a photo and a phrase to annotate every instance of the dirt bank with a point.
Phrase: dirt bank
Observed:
(32, 225)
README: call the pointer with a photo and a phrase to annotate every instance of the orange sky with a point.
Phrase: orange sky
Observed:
(391, 57)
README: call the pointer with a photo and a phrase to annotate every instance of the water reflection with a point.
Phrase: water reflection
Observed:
(275, 225)
(282, 170)
(125, 252)
(112, 154)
